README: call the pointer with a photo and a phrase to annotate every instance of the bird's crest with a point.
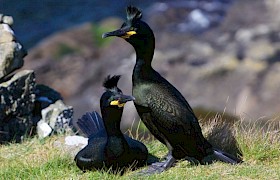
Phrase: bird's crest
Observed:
(133, 13)
(111, 82)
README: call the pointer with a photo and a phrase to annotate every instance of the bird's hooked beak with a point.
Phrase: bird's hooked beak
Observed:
(120, 102)
(123, 33)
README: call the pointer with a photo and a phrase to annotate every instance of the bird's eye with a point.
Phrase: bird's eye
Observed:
(133, 29)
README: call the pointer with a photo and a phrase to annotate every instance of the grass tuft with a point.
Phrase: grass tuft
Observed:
(259, 144)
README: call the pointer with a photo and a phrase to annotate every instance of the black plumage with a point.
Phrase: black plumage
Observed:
(107, 146)
(160, 105)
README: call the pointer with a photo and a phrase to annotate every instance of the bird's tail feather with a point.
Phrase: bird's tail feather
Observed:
(226, 157)
(91, 123)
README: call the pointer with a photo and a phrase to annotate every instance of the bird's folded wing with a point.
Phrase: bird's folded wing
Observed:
(171, 111)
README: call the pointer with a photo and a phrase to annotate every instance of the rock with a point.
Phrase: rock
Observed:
(21, 101)
(17, 95)
(15, 128)
(71, 145)
(260, 50)
(58, 116)
(11, 51)
(16, 90)
(199, 19)
(6, 34)
(76, 141)
(11, 58)
(43, 129)
(8, 20)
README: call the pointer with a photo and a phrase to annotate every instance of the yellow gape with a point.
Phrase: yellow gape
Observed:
(128, 34)
(117, 103)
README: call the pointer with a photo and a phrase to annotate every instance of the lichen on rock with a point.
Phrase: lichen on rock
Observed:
(17, 95)
(58, 117)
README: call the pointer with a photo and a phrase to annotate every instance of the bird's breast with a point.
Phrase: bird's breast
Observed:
(140, 93)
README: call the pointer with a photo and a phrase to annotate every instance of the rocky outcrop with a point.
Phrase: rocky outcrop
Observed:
(11, 51)
(17, 103)
(17, 95)
(22, 101)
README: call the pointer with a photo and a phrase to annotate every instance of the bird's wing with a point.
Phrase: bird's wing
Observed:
(172, 110)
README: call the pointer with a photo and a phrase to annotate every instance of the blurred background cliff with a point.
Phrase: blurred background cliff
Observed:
(223, 55)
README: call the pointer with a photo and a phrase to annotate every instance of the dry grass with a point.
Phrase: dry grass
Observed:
(222, 135)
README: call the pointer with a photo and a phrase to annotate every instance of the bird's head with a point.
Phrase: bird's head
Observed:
(133, 30)
(113, 96)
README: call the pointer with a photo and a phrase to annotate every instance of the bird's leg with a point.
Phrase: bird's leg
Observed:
(164, 159)
(159, 167)
(170, 160)
(168, 154)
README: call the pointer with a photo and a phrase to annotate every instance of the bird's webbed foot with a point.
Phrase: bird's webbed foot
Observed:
(159, 167)
(192, 160)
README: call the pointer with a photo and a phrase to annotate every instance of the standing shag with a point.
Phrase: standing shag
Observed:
(107, 146)
(160, 105)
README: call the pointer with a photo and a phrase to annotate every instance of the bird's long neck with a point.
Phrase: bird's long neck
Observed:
(112, 119)
(144, 57)
(145, 50)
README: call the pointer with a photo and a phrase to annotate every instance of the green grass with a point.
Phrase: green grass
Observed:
(64, 49)
(97, 31)
(41, 159)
